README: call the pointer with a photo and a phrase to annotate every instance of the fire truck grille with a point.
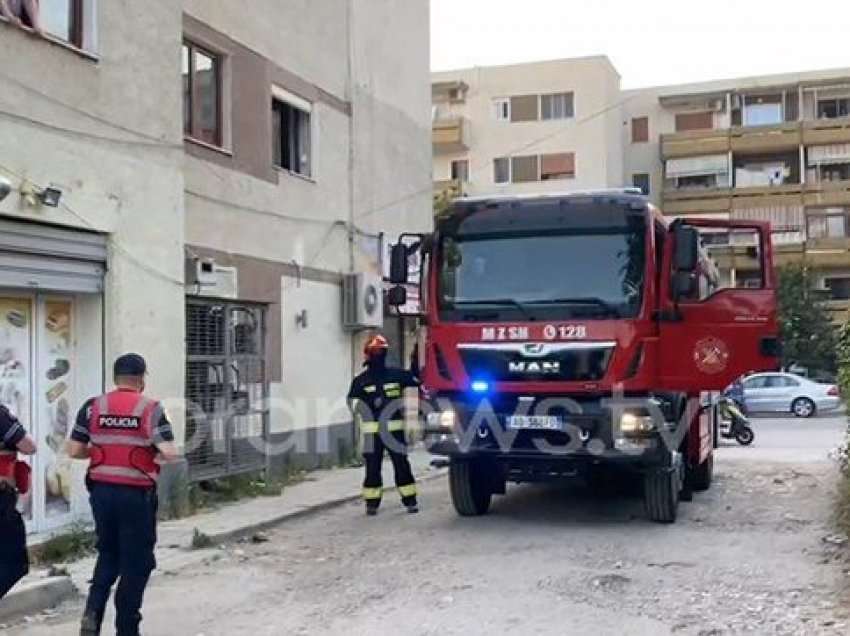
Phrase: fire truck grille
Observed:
(538, 362)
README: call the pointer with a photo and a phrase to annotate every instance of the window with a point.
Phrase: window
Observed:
(524, 169)
(63, 19)
(641, 181)
(756, 382)
(201, 94)
(833, 108)
(827, 223)
(698, 182)
(292, 134)
(779, 382)
(525, 108)
(557, 166)
(640, 130)
(460, 170)
(502, 170)
(763, 110)
(557, 106)
(502, 109)
(694, 121)
(839, 288)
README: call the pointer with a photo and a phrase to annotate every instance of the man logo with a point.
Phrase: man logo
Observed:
(535, 367)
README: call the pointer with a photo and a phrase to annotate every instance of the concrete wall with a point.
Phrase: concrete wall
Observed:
(370, 93)
(593, 134)
(105, 129)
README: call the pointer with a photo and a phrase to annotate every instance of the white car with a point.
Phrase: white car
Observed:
(789, 393)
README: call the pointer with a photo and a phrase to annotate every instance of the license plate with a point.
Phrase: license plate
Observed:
(536, 422)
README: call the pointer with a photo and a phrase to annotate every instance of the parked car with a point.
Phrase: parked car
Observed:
(786, 392)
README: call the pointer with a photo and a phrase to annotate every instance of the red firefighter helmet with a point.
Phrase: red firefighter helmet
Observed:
(375, 346)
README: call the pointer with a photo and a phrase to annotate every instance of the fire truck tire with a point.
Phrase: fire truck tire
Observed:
(661, 495)
(702, 476)
(469, 489)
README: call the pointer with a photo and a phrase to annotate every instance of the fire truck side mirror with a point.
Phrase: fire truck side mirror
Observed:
(397, 296)
(398, 264)
(686, 255)
(684, 285)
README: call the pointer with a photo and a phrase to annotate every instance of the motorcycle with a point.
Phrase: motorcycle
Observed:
(733, 423)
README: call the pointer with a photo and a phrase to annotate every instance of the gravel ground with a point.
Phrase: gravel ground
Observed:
(752, 555)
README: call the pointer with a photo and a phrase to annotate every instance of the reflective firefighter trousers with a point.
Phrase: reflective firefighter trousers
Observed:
(392, 440)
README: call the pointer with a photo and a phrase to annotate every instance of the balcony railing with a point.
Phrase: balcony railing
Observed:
(450, 135)
(756, 139)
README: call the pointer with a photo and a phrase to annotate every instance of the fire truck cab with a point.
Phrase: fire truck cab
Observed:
(577, 334)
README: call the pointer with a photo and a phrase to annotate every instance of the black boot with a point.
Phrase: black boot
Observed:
(90, 625)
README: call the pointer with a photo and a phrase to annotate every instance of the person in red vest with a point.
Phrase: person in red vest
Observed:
(126, 436)
(14, 480)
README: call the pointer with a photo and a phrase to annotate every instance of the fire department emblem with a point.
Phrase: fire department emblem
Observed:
(711, 355)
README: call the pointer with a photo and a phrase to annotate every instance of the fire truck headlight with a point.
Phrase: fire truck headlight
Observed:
(442, 421)
(633, 425)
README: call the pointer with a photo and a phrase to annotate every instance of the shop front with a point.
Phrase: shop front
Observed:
(51, 353)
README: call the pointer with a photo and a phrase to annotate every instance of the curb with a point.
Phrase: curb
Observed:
(233, 535)
(35, 597)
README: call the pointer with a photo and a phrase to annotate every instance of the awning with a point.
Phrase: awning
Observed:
(697, 166)
(834, 153)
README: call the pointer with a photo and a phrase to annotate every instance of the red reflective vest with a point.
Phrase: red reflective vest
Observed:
(13, 472)
(121, 430)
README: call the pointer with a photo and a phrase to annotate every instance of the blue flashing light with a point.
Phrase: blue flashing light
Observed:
(480, 386)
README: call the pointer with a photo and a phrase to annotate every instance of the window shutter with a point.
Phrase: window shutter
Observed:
(559, 165)
(640, 129)
(524, 108)
(694, 121)
(524, 169)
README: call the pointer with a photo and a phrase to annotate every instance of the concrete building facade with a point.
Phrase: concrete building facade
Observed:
(771, 148)
(222, 176)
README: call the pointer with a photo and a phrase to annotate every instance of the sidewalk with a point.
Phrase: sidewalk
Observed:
(319, 491)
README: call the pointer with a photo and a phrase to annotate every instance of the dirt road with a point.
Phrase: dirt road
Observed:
(748, 556)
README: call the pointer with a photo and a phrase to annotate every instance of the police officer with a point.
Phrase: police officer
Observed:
(375, 398)
(14, 479)
(124, 435)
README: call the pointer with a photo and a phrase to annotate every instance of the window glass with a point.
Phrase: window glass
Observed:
(757, 382)
(558, 106)
(762, 114)
(58, 17)
(292, 138)
(502, 109)
(460, 170)
(201, 95)
(641, 181)
(187, 92)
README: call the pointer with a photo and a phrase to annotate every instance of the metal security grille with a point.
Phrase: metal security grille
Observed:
(227, 419)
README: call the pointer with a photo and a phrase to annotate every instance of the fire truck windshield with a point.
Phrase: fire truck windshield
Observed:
(588, 273)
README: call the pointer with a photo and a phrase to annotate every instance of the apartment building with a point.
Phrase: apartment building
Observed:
(544, 127)
(771, 148)
(91, 232)
(774, 148)
(199, 183)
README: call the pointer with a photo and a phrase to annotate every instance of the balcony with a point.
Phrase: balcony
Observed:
(694, 143)
(826, 131)
(765, 139)
(450, 135)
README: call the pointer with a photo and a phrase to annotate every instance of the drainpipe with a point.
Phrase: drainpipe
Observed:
(349, 16)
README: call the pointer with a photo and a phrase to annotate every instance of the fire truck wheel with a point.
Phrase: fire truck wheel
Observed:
(702, 475)
(469, 489)
(661, 495)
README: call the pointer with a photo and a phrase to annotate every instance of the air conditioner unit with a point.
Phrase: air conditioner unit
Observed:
(362, 301)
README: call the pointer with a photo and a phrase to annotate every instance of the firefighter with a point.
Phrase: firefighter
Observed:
(14, 480)
(125, 435)
(375, 398)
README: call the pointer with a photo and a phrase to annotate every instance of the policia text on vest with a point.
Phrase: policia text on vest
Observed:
(14, 481)
(125, 436)
(376, 399)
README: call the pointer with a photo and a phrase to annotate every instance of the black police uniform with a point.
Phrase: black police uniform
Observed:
(14, 562)
(379, 411)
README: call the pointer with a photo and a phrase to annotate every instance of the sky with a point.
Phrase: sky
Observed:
(650, 42)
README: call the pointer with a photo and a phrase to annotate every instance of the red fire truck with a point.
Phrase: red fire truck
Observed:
(577, 335)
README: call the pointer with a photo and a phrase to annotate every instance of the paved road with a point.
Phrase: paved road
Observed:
(747, 556)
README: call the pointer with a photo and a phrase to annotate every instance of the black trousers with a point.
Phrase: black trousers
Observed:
(374, 446)
(125, 522)
(14, 561)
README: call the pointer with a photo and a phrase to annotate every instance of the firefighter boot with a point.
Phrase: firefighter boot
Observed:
(90, 625)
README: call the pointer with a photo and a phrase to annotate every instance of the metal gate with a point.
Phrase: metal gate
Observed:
(227, 417)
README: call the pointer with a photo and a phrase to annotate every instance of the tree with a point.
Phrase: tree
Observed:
(808, 335)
